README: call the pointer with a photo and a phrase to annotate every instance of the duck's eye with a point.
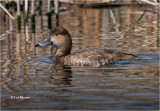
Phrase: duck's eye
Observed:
(55, 34)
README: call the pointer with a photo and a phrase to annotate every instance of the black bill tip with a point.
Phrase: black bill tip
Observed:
(37, 45)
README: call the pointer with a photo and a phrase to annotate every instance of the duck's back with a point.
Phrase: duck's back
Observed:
(95, 57)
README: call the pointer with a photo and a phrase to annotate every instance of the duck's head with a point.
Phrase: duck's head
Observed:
(60, 39)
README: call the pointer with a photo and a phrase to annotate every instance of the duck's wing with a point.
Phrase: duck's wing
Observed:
(95, 57)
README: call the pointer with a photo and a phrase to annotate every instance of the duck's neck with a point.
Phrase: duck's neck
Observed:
(60, 53)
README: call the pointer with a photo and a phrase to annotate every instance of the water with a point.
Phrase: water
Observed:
(123, 85)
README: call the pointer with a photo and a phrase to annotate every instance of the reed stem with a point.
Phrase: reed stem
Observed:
(33, 17)
(18, 16)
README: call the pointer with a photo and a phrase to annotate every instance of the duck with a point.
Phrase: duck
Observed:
(61, 39)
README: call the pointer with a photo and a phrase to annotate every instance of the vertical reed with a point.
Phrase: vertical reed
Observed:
(40, 6)
(26, 10)
(18, 16)
(40, 13)
(56, 6)
(33, 16)
(26, 6)
(49, 15)
(33, 26)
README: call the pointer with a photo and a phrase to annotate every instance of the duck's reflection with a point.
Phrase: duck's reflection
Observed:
(60, 75)
(57, 74)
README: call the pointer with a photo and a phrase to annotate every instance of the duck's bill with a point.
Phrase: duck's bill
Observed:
(46, 42)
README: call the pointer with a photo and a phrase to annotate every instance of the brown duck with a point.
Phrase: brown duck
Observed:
(92, 57)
